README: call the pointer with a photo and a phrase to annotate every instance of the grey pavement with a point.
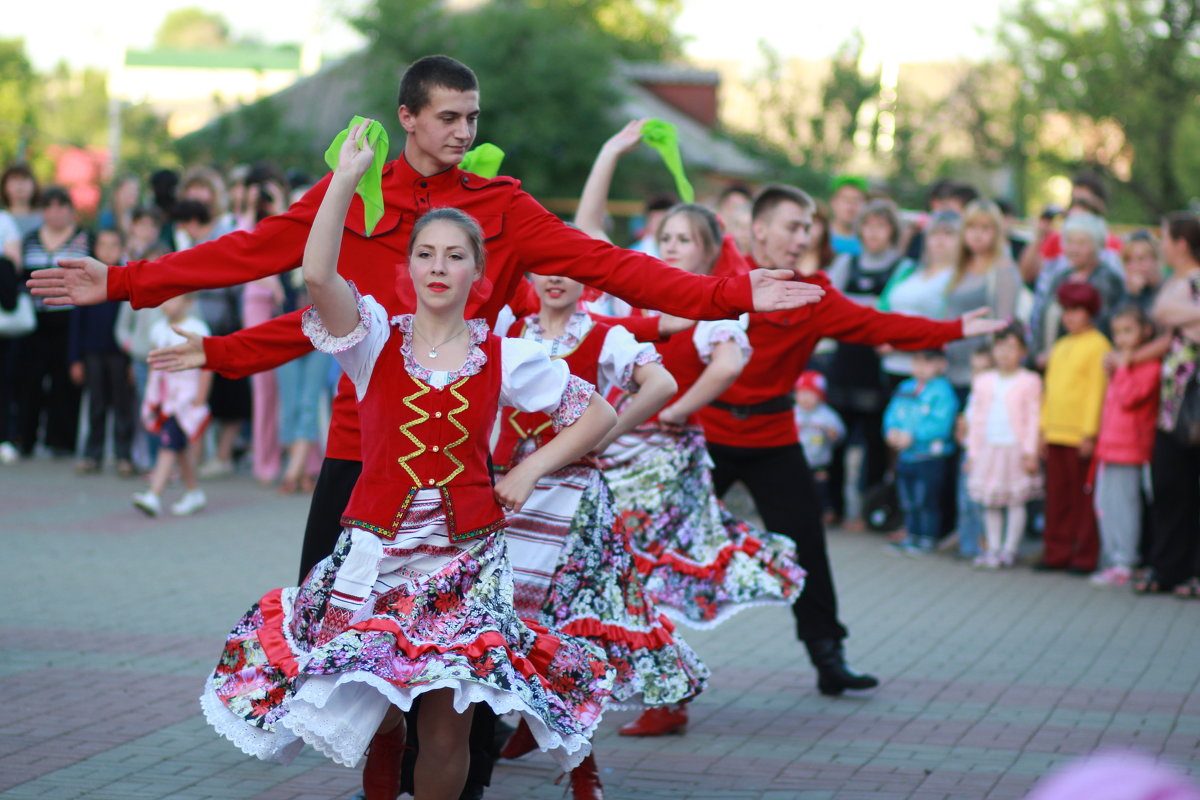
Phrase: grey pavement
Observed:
(990, 680)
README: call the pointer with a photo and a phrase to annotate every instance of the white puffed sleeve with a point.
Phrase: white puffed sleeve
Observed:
(504, 320)
(709, 333)
(532, 381)
(619, 356)
(357, 351)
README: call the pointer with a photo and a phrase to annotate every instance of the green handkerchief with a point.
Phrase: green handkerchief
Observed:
(370, 188)
(663, 137)
(484, 160)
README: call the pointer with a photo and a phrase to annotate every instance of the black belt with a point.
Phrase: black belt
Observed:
(776, 405)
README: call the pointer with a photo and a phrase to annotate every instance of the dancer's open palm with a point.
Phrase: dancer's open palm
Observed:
(75, 281)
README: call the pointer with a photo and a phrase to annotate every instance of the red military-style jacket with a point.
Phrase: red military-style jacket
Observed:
(521, 236)
(418, 437)
(782, 343)
(517, 426)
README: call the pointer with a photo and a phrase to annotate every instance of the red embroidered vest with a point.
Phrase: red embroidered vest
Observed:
(517, 426)
(417, 437)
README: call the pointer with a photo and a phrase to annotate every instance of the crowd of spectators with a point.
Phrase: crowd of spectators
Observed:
(1079, 424)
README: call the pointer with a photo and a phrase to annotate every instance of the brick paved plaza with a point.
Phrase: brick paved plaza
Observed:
(111, 622)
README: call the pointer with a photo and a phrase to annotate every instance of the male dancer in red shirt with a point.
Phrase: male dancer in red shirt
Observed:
(751, 432)
(438, 109)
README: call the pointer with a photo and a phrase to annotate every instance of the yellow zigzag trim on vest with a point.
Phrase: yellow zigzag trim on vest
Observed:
(458, 465)
(512, 420)
(422, 390)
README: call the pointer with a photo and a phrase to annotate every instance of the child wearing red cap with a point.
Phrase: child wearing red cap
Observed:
(1075, 384)
(819, 429)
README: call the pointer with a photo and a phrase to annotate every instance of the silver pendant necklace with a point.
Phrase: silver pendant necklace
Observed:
(433, 348)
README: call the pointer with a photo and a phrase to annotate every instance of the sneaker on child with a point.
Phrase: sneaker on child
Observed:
(1113, 576)
(190, 503)
(148, 503)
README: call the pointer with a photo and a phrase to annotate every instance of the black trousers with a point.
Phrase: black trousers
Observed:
(1175, 548)
(335, 483)
(110, 391)
(44, 386)
(785, 494)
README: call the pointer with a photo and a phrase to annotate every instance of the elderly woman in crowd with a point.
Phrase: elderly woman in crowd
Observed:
(1083, 236)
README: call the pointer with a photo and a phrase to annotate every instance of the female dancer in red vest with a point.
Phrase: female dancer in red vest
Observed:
(416, 598)
(572, 567)
(701, 565)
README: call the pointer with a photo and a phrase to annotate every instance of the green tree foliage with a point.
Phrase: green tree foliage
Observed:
(545, 79)
(642, 30)
(823, 142)
(70, 109)
(968, 133)
(250, 134)
(1135, 63)
(192, 28)
(18, 88)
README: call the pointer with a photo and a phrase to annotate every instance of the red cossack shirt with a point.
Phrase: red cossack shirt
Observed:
(521, 236)
(783, 342)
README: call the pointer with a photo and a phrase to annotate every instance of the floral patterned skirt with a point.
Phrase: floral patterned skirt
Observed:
(701, 564)
(574, 572)
(377, 624)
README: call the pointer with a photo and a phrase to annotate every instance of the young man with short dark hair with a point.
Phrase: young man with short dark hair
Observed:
(751, 429)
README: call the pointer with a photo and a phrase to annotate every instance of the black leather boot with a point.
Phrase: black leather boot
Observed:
(833, 676)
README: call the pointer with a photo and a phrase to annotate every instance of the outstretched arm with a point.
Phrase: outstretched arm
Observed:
(275, 245)
(722, 371)
(549, 246)
(655, 387)
(331, 295)
(589, 217)
(847, 321)
(247, 352)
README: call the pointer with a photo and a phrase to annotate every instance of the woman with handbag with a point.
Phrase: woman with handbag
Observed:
(1175, 465)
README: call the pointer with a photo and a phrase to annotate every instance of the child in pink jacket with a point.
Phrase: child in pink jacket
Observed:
(1003, 469)
(1123, 448)
(175, 408)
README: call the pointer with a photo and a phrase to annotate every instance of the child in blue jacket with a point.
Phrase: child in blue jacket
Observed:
(919, 425)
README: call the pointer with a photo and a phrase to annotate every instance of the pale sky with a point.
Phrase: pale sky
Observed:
(925, 30)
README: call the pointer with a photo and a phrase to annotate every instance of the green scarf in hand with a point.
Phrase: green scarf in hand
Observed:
(370, 188)
(663, 137)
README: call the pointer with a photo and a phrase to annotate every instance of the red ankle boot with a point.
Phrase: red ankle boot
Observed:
(520, 743)
(657, 721)
(381, 775)
(585, 781)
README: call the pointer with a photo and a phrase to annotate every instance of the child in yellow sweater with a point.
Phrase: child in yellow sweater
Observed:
(1075, 385)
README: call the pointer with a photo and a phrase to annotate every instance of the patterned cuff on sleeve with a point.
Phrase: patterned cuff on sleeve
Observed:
(323, 340)
(647, 355)
(723, 333)
(575, 399)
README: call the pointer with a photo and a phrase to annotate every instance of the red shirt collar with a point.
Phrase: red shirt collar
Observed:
(403, 174)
